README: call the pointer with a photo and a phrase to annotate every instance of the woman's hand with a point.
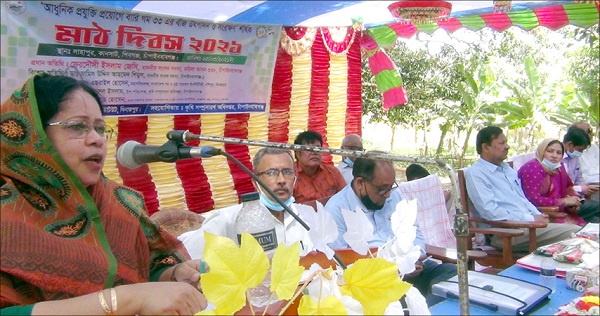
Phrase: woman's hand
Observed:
(189, 271)
(572, 201)
(160, 298)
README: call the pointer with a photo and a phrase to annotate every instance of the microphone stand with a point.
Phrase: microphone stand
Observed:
(178, 138)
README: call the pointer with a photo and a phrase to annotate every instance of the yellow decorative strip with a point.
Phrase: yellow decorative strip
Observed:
(300, 96)
(110, 163)
(258, 129)
(164, 175)
(216, 168)
(338, 101)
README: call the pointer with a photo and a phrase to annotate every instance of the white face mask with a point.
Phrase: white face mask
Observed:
(349, 162)
(574, 154)
(273, 205)
(550, 165)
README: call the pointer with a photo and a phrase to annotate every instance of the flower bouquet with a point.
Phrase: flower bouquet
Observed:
(584, 305)
(369, 286)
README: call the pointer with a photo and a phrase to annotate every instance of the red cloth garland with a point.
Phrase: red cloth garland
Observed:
(319, 92)
(134, 128)
(191, 171)
(281, 95)
(236, 125)
(354, 101)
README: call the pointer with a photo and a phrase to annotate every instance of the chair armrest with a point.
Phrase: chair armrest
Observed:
(450, 255)
(508, 232)
(552, 211)
(517, 224)
(547, 209)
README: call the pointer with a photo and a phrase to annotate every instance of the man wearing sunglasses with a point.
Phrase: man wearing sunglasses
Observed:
(374, 191)
(275, 168)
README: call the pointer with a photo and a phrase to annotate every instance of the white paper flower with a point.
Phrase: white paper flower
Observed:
(323, 229)
(401, 249)
(326, 284)
(416, 303)
(359, 230)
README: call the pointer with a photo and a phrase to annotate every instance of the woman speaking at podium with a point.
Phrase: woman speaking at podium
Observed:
(73, 241)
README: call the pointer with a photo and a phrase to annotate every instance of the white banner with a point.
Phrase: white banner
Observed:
(142, 64)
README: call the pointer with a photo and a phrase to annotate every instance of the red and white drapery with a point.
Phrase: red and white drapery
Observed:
(316, 85)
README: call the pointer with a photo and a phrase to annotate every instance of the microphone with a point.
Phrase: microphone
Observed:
(133, 154)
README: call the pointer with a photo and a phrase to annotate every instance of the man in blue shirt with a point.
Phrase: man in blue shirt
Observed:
(373, 190)
(495, 190)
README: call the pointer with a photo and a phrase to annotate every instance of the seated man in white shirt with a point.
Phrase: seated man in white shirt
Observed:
(576, 141)
(275, 168)
(588, 161)
(350, 142)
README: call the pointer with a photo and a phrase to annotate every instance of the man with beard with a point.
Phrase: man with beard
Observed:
(275, 168)
(373, 191)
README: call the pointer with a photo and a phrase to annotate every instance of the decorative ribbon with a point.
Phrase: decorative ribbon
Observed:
(304, 88)
(297, 40)
(337, 40)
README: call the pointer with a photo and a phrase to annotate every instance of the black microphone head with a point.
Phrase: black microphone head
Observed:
(125, 154)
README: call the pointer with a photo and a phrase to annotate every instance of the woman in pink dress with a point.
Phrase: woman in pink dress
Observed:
(546, 182)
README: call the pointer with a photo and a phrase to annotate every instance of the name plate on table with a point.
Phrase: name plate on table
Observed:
(497, 293)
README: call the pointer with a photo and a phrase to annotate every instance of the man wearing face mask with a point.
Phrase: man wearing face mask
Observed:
(373, 191)
(350, 142)
(275, 168)
(589, 159)
(576, 140)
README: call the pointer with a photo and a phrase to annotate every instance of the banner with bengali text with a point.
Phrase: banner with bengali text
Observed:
(142, 64)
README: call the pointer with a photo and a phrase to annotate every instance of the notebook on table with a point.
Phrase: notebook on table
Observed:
(505, 295)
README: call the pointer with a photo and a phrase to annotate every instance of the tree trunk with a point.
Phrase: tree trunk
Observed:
(426, 148)
(393, 137)
(464, 148)
(440, 145)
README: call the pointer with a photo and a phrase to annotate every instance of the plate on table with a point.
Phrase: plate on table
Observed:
(533, 262)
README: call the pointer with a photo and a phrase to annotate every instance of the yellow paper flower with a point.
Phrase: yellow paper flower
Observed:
(331, 305)
(374, 283)
(233, 271)
(286, 272)
(591, 299)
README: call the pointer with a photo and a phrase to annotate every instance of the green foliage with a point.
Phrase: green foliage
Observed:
(510, 79)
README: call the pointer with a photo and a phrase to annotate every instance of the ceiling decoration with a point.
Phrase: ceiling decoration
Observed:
(419, 11)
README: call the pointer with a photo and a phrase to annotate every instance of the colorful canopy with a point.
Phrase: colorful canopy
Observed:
(301, 13)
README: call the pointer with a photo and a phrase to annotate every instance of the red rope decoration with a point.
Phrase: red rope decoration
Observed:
(354, 102)
(134, 128)
(236, 125)
(191, 171)
(319, 92)
(281, 95)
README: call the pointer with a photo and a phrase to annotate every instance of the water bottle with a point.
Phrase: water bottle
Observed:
(548, 274)
(255, 219)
